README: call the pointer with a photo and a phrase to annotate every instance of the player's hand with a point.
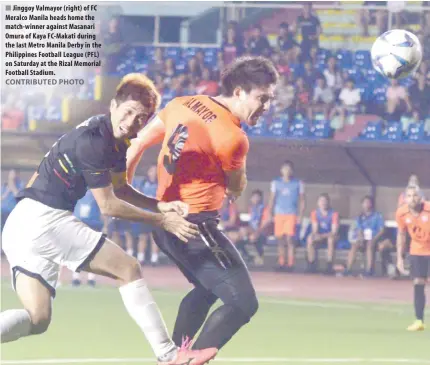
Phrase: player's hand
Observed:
(232, 195)
(401, 266)
(172, 222)
(176, 206)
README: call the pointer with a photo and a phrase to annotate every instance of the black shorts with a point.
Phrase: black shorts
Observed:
(207, 260)
(420, 266)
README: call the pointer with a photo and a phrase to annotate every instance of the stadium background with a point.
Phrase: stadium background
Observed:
(370, 151)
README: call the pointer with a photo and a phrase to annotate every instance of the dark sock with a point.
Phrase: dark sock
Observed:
(386, 259)
(329, 266)
(241, 247)
(419, 301)
(192, 313)
(259, 245)
(221, 325)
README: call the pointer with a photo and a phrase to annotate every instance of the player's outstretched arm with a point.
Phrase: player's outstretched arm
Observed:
(149, 136)
(111, 205)
(126, 192)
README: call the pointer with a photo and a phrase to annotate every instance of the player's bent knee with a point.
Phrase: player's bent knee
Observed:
(40, 321)
(248, 304)
(131, 270)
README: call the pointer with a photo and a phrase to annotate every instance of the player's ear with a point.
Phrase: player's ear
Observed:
(239, 93)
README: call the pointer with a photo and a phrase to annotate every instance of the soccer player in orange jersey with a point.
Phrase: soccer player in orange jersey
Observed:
(414, 218)
(202, 159)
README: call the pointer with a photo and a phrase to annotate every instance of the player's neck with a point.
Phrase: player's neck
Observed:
(417, 211)
(226, 102)
(287, 179)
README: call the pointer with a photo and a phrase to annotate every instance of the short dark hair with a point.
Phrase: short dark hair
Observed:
(135, 86)
(247, 73)
(370, 198)
(325, 195)
(284, 25)
(288, 163)
(257, 192)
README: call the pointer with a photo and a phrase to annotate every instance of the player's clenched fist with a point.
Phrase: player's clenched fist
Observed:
(175, 224)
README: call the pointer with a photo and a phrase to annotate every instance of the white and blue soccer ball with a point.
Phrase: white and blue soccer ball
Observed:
(396, 53)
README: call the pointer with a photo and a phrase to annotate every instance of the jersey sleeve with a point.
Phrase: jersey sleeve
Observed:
(401, 225)
(314, 218)
(335, 218)
(90, 153)
(233, 155)
(381, 221)
(273, 187)
(301, 187)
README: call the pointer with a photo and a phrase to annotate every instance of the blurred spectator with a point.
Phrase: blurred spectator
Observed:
(325, 230)
(323, 98)
(413, 181)
(193, 68)
(286, 208)
(332, 75)
(169, 70)
(303, 99)
(157, 64)
(419, 94)
(310, 28)
(398, 101)
(258, 44)
(200, 58)
(350, 99)
(233, 45)
(12, 114)
(366, 17)
(207, 85)
(425, 22)
(285, 97)
(370, 237)
(113, 46)
(159, 82)
(310, 75)
(8, 193)
(257, 226)
(286, 41)
(281, 63)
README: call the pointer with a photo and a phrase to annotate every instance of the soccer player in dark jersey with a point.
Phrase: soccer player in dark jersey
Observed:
(42, 234)
(202, 159)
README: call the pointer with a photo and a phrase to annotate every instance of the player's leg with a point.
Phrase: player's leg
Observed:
(355, 246)
(370, 257)
(34, 277)
(419, 271)
(291, 227)
(280, 238)
(141, 247)
(155, 251)
(331, 250)
(129, 242)
(227, 277)
(35, 317)
(311, 253)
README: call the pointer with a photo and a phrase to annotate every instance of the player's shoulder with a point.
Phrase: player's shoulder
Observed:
(426, 206)
(402, 211)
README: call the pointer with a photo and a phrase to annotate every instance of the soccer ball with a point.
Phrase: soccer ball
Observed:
(396, 53)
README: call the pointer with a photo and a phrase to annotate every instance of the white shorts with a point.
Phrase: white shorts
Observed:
(38, 240)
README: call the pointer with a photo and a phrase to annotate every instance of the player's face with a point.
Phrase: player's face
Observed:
(413, 198)
(286, 171)
(323, 203)
(255, 199)
(367, 205)
(128, 118)
(152, 173)
(255, 103)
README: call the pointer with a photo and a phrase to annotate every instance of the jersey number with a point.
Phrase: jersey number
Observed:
(176, 145)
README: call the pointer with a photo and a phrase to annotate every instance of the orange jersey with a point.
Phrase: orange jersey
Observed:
(418, 228)
(203, 139)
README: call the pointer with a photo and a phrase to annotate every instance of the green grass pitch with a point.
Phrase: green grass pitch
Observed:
(91, 326)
